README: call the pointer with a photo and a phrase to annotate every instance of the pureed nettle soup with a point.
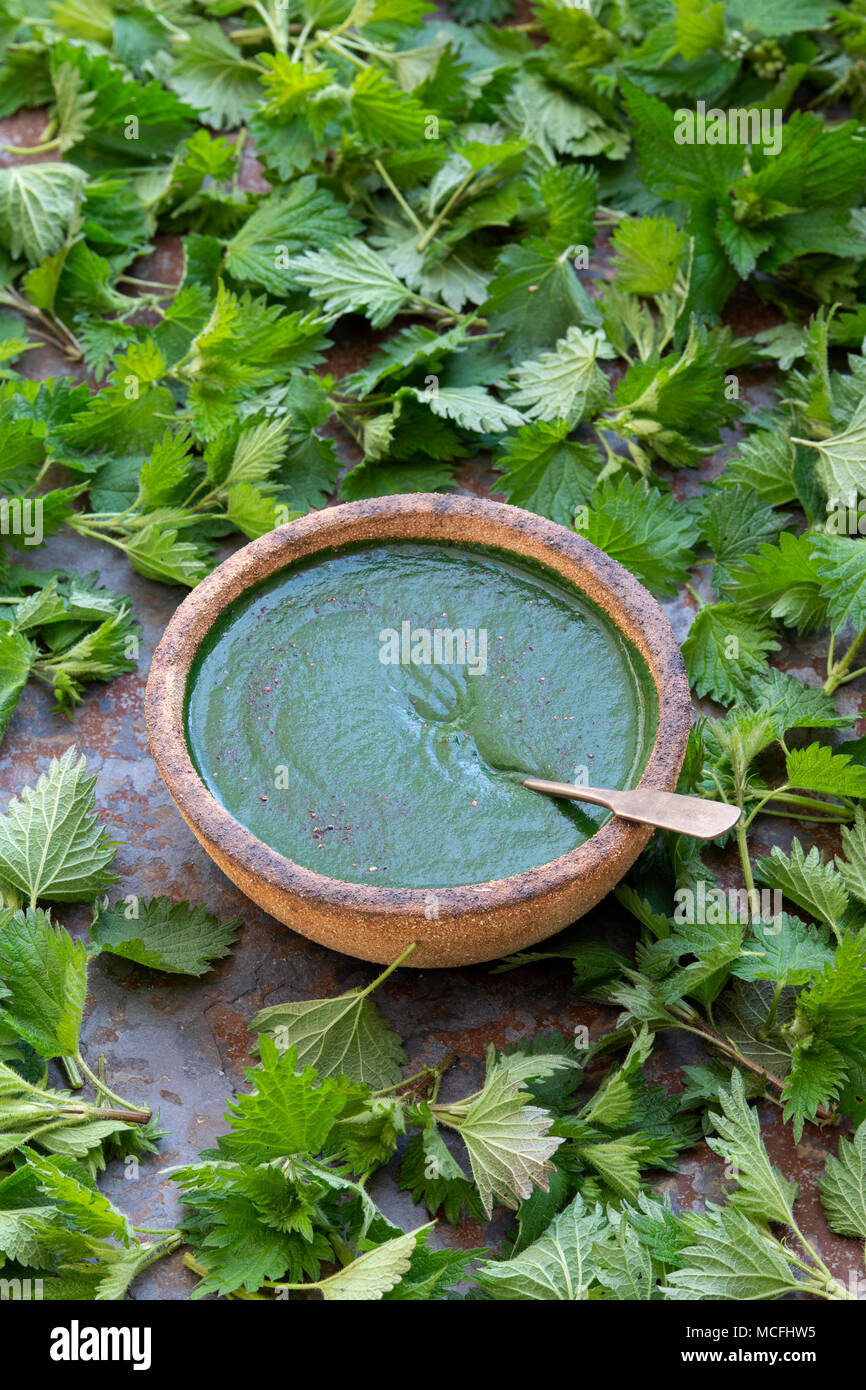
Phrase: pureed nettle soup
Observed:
(370, 712)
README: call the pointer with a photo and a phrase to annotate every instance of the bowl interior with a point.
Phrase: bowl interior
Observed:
(370, 713)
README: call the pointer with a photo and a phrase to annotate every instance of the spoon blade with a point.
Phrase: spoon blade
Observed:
(688, 815)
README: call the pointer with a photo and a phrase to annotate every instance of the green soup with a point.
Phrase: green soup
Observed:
(370, 713)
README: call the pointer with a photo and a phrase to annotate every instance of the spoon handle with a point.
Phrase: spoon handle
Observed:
(689, 815)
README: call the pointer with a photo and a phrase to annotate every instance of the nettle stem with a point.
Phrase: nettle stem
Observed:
(138, 1115)
(715, 1039)
(839, 672)
(745, 861)
(389, 970)
(434, 1074)
(446, 211)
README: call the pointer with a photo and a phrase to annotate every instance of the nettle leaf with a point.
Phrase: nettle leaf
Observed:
(649, 251)
(309, 471)
(625, 1265)
(97, 115)
(547, 472)
(90, 1209)
(820, 769)
(162, 553)
(564, 384)
(835, 1001)
(352, 278)
(535, 297)
(178, 938)
(37, 203)
(375, 1272)
(674, 170)
(560, 1266)
(783, 581)
(383, 114)
(841, 565)
(762, 1191)
(731, 1258)
(725, 648)
(346, 1036)
(24, 1232)
(255, 512)
(166, 470)
(44, 974)
(547, 116)
(852, 868)
(764, 461)
(282, 226)
(432, 1174)
(411, 347)
(507, 1140)
(16, 660)
(805, 879)
(841, 465)
(569, 193)
(795, 705)
(51, 844)
(211, 74)
(286, 1114)
(817, 1072)
(644, 529)
(734, 521)
(433, 1273)
(472, 408)
(843, 1186)
(790, 952)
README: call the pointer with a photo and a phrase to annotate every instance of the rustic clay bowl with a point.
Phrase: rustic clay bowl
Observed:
(475, 922)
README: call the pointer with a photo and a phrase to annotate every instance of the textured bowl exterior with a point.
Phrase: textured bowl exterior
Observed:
(452, 926)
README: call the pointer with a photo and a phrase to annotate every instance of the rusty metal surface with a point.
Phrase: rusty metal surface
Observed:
(180, 1046)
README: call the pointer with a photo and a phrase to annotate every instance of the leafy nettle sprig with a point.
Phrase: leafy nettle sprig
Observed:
(65, 630)
(53, 848)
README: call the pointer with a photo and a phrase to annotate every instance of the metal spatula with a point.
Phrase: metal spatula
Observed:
(689, 815)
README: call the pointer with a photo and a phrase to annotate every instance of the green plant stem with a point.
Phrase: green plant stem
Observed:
(695, 595)
(107, 1091)
(839, 672)
(434, 1073)
(305, 33)
(807, 802)
(446, 211)
(827, 1287)
(338, 48)
(278, 39)
(159, 1250)
(147, 284)
(745, 861)
(73, 1075)
(389, 970)
(386, 179)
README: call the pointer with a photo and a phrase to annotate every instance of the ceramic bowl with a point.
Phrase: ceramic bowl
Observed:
(473, 922)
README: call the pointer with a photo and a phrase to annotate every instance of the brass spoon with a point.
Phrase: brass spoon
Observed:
(689, 815)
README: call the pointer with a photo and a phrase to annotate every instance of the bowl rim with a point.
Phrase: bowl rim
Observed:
(451, 519)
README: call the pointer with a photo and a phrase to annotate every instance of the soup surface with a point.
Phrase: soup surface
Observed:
(370, 713)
